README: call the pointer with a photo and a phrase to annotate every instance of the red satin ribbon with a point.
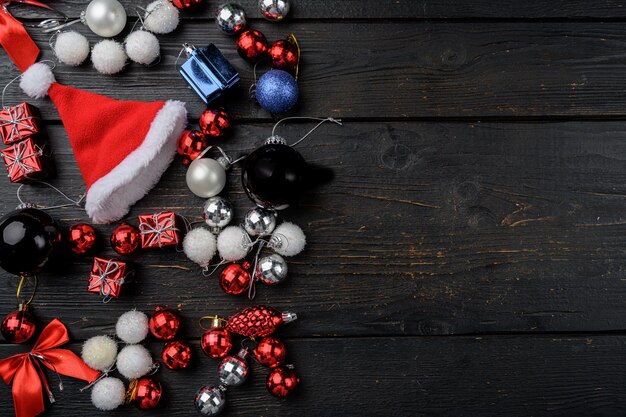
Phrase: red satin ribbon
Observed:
(28, 378)
(13, 37)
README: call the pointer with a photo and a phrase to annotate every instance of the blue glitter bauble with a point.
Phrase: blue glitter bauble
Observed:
(277, 91)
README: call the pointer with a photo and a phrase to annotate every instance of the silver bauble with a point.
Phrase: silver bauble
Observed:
(259, 221)
(230, 18)
(217, 212)
(271, 269)
(105, 18)
(233, 370)
(210, 401)
(274, 10)
(206, 177)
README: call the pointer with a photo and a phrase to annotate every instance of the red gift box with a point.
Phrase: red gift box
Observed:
(26, 161)
(18, 123)
(158, 230)
(107, 277)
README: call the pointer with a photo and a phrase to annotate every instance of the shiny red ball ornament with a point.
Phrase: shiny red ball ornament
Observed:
(282, 382)
(186, 4)
(235, 278)
(252, 45)
(176, 355)
(148, 393)
(18, 326)
(214, 122)
(258, 321)
(216, 342)
(270, 352)
(125, 239)
(284, 56)
(190, 144)
(164, 323)
(81, 238)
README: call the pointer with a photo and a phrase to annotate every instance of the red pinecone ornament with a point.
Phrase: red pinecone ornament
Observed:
(258, 321)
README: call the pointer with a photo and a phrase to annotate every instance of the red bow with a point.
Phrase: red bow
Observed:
(28, 378)
(14, 38)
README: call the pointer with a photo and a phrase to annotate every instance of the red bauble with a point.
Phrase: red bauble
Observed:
(258, 321)
(186, 4)
(176, 355)
(235, 278)
(18, 326)
(216, 343)
(270, 352)
(164, 323)
(282, 382)
(81, 238)
(147, 393)
(214, 122)
(190, 144)
(125, 239)
(252, 45)
(284, 56)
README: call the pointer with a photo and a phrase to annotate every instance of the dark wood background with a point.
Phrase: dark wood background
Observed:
(468, 258)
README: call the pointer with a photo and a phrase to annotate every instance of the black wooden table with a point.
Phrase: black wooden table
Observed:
(469, 256)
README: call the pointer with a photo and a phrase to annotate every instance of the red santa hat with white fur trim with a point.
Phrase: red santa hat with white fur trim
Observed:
(122, 147)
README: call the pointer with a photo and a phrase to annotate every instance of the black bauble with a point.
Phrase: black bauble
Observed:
(28, 240)
(274, 176)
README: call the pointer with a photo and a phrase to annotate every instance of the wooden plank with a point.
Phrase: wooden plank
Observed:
(396, 9)
(541, 376)
(427, 228)
(407, 70)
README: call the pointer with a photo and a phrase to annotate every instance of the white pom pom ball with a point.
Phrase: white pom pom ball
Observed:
(161, 17)
(37, 80)
(100, 352)
(142, 47)
(233, 243)
(108, 394)
(134, 361)
(71, 48)
(288, 239)
(200, 246)
(132, 326)
(108, 57)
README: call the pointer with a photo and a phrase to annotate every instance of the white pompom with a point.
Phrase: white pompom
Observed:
(108, 394)
(288, 239)
(72, 48)
(134, 361)
(132, 326)
(100, 352)
(36, 80)
(233, 243)
(200, 246)
(161, 17)
(142, 47)
(108, 57)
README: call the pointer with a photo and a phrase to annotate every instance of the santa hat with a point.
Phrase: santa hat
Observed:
(122, 147)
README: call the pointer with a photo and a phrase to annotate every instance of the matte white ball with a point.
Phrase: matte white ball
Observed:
(142, 47)
(108, 394)
(288, 239)
(134, 361)
(99, 352)
(132, 326)
(108, 57)
(71, 48)
(161, 17)
(105, 18)
(200, 245)
(233, 243)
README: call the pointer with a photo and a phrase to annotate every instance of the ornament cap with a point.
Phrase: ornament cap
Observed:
(288, 316)
(217, 323)
(189, 48)
(224, 162)
(243, 353)
(275, 140)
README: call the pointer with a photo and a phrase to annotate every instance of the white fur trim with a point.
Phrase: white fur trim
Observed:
(36, 80)
(111, 197)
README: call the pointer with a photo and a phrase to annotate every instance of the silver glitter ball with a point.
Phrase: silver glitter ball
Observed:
(210, 401)
(271, 269)
(233, 370)
(218, 213)
(259, 221)
(230, 18)
(274, 10)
